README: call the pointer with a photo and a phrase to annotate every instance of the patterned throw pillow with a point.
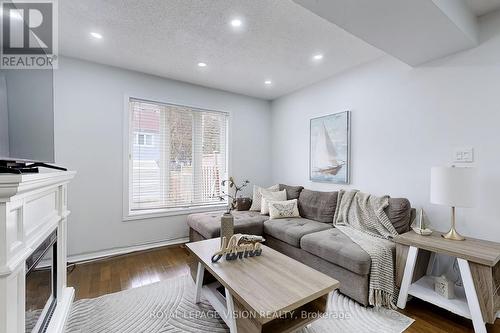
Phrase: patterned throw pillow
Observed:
(270, 196)
(283, 209)
(257, 196)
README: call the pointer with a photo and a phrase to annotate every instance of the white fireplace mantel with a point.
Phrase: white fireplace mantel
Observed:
(32, 206)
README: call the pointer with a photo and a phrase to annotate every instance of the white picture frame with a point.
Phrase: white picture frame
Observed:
(329, 148)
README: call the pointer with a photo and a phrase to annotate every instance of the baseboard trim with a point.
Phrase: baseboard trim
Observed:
(80, 258)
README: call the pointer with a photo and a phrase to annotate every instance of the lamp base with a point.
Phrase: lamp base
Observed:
(453, 235)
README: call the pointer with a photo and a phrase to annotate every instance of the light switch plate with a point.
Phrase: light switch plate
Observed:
(463, 155)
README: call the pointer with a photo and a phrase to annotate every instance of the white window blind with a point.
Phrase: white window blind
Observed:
(178, 155)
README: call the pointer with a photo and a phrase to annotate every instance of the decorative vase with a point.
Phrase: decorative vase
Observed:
(226, 226)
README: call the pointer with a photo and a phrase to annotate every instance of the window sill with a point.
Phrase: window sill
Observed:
(156, 213)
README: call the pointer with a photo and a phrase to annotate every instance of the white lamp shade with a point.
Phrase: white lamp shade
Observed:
(454, 187)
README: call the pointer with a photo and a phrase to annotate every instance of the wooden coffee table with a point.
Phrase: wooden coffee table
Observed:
(269, 293)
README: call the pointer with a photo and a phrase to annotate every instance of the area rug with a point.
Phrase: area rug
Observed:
(167, 306)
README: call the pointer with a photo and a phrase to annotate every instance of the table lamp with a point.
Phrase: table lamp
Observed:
(454, 187)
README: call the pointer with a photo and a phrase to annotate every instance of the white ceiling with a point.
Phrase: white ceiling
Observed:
(169, 38)
(413, 31)
(481, 7)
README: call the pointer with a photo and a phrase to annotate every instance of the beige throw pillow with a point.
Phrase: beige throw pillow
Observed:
(270, 196)
(283, 209)
(257, 196)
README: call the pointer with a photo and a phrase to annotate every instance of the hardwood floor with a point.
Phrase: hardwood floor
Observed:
(128, 271)
(142, 268)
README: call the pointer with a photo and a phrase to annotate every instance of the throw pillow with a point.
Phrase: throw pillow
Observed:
(318, 206)
(257, 196)
(292, 192)
(270, 196)
(283, 209)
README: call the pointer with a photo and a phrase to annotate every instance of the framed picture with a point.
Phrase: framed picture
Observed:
(329, 158)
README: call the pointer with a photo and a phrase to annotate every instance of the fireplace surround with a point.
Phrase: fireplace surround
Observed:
(33, 217)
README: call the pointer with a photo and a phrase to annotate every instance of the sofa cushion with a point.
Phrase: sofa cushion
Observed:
(283, 209)
(291, 230)
(335, 247)
(292, 192)
(270, 196)
(245, 222)
(399, 212)
(317, 206)
(257, 196)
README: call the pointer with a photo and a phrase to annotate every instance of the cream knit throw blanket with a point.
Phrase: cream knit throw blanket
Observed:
(361, 217)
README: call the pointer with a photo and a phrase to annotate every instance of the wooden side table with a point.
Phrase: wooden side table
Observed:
(478, 261)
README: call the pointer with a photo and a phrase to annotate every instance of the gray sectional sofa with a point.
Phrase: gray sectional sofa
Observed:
(310, 239)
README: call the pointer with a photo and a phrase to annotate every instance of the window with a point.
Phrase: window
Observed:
(143, 139)
(178, 156)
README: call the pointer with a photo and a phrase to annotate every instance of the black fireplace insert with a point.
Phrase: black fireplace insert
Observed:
(41, 285)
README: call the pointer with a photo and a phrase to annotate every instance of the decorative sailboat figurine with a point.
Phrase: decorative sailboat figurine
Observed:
(325, 154)
(420, 227)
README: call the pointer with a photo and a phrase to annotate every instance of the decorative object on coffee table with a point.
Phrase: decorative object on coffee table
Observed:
(226, 226)
(239, 246)
(329, 148)
(454, 187)
(232, 198)
(227, 219)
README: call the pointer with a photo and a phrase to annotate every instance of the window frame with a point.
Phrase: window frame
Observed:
(129, 142)
(136, 139)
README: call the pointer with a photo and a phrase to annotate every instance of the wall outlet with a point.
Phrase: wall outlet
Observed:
(463, 155)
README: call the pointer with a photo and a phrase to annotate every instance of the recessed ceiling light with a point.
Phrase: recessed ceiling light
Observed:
(236, 23)
(268, 82)
(96, 35)
(202, 64)
(318, 56)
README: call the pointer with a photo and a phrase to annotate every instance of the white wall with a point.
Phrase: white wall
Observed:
(89, 119)
(404, 121)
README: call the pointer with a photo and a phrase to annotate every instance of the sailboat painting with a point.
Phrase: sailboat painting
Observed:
(329, 151)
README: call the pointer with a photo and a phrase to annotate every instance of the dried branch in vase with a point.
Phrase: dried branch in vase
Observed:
(231, 183)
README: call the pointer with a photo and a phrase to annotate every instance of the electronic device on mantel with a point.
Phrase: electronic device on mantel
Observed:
(26, 120)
